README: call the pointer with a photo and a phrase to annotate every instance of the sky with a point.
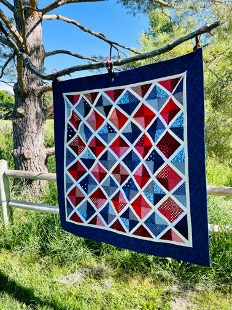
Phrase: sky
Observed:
(105, 17)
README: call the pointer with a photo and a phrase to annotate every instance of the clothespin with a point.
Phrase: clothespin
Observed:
(54, 72)
(109, 67)
(198, 40)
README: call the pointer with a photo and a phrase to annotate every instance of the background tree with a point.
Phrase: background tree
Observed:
(6, 104)
(217, 57)
(21, 39)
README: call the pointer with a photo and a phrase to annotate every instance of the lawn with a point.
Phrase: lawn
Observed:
(44, 267)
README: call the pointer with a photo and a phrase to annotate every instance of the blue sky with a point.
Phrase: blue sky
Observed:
(105, 17)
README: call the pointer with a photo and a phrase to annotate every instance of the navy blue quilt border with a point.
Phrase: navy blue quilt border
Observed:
(193, 64)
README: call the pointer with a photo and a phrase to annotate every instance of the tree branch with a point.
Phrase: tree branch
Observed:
(121, 62)
(59, 3)
(6, 41)
(163, 3)
(8, 5)
(6, 64)
(21, 11)
(94, 33)
(43, 89)
(47, 54)
(50, 151)
(8, 83)
(11, 28)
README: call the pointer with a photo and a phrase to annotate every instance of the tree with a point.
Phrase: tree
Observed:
(218, 64)
(21, 36)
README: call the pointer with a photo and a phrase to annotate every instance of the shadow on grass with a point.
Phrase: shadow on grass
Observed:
(25, 295)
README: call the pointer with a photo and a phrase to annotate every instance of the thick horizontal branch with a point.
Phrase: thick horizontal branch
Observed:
(11, 27)
(121, 62)
(47, 54)
(8, 5)
(59, 3)
(94, 33)
(43, 89)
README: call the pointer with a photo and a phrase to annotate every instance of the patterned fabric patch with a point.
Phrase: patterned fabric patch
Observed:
(127, 164)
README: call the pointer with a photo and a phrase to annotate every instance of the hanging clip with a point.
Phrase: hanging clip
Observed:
(109, 65)
(198, 40)
(54, 72)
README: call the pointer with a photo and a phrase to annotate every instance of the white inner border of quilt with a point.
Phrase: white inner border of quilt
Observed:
(185, 208)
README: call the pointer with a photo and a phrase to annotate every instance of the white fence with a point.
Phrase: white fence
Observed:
(7, 204)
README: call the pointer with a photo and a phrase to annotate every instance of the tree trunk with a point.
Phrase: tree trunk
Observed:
(28, 115)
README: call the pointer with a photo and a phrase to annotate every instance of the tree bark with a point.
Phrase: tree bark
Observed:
(28, 114)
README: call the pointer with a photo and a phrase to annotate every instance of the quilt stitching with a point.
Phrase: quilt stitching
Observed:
(125, 160)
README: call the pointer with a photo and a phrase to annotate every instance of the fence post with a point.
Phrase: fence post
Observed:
(4, 193)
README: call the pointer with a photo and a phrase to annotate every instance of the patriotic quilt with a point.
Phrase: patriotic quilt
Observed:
(130, 156)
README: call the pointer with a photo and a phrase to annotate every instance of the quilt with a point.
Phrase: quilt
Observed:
(130, 158)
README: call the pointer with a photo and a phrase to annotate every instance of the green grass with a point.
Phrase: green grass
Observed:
(44, 267)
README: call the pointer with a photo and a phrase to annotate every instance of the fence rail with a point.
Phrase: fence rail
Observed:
(7, 204)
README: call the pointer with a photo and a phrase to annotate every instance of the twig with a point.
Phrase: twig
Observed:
(8, 5)
(6, 41)
(6, 64)
(11, 28)
(47, 54)
(94, 33)
(163, 3)
(120, 62)
(59, 3)
(8, 83)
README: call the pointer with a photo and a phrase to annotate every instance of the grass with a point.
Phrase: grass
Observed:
(44, 267)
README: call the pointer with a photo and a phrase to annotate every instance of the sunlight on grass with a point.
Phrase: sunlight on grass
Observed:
(44, 267)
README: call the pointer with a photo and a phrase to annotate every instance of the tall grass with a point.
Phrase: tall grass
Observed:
(6, 142)
(39, 237)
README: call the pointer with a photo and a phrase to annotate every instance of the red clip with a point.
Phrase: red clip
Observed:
(54, 71)
(109, 65)
(198, 40)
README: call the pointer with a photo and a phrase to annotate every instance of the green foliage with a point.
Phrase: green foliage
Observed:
(40, 263)
(47, 99)
(38, 260)
(6, 97)
(218, 85)
(6, 104)
(218, 173)
(168, 26)
(6, 142)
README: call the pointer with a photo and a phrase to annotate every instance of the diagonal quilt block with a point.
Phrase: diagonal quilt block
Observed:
(130, 158)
